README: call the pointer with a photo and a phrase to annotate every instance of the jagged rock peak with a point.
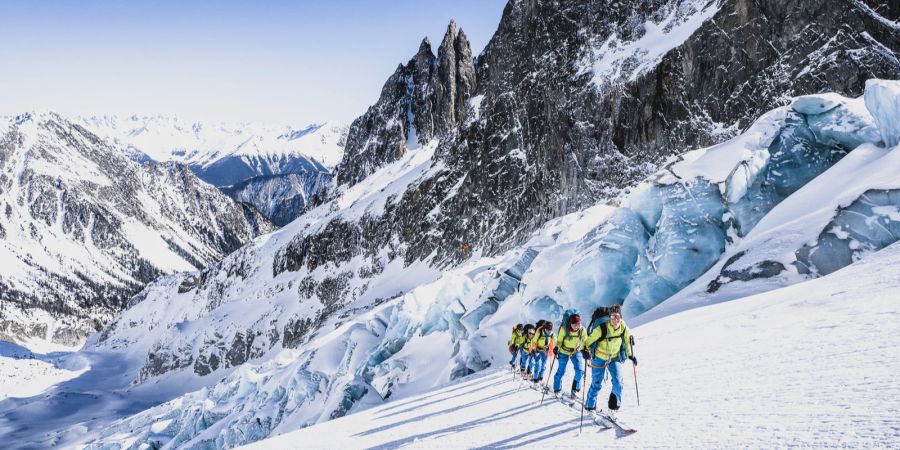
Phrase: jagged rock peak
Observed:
(424, 53)
(421, 101)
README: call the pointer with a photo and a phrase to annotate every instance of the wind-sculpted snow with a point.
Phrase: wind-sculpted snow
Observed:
(348, 356)
(525, 137)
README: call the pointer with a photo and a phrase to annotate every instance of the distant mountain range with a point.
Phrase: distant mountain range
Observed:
(83, 227)
(240, 158)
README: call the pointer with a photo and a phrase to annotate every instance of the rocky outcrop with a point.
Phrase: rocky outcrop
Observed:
(423, 100)
(572, 105)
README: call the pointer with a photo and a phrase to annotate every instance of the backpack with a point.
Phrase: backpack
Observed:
(600, 318)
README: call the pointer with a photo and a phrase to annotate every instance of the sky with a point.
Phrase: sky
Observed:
(285, 62)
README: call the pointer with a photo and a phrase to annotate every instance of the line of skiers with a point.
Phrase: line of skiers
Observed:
(605, 347)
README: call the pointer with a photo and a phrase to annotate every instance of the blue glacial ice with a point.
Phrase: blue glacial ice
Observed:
(677, 224)
(870, 223)
(883, 101)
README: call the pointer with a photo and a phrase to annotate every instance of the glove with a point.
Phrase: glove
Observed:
(555, 355)
(512, 348)
(585, 354)
(633, 359)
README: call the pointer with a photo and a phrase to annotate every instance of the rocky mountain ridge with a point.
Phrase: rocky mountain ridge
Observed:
(83, 228)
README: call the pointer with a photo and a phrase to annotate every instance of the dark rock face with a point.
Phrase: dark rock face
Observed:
(76, 212)
(422, 100)
(550, 129)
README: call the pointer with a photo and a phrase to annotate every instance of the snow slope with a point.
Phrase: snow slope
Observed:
(25, 374)
(813, 364)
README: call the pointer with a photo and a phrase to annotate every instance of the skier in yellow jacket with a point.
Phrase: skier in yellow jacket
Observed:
(570, 341)
(540, 347)
(610, 338)
(517, 346)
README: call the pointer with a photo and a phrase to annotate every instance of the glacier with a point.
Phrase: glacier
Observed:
(678, 224)
(806, 178)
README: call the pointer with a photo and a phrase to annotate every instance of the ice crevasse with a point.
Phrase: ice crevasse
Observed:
(677, 224)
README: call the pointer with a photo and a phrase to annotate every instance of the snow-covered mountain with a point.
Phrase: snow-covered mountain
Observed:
(282, 198)
(553, 170)
(254, 156)
(296, 366)
(83, 228)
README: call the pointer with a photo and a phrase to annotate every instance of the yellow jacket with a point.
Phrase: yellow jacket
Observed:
(542, 341)
(608, 347)
(570, 342)
(518, 339)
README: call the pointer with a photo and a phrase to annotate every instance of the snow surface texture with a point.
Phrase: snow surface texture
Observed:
(380, 353)
(25, 374)
(768, 371)
(677, 225)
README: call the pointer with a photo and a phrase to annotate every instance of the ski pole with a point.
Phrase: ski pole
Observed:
(549, 375)
(636, 391)
(583, 388)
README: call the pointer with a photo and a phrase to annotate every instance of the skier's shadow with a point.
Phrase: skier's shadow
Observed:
(474, 385)
(553, 431)
(436, 413)
(458, 428)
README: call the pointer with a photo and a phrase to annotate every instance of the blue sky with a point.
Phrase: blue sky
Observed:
(272, 61)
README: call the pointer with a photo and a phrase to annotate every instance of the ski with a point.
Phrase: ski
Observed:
(616, 421)
(575, 404)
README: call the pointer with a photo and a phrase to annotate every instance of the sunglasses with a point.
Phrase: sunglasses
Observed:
(615, 316)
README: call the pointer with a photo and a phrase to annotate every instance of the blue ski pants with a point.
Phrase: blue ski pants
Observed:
(538, 362)
(561, 370)
(524, 360)
(515, 354)
(597, 374)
